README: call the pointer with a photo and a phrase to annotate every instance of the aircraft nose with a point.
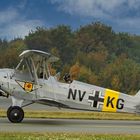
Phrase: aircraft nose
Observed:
(3, 85)
(3, 79)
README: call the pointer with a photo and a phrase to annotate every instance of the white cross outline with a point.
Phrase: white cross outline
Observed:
(99, 104)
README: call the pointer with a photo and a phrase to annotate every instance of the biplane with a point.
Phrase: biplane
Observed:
(32, 81)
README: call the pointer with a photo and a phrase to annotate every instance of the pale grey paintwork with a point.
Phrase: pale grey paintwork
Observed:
(75, 95)
(38, 53)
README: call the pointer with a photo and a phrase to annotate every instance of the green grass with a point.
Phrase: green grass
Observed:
(71, 136)
(77, 115)
(65, 136)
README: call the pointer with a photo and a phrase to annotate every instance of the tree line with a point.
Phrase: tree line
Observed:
(94, 53)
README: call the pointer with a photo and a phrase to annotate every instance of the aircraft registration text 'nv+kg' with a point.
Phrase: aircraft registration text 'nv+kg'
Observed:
(32, 81)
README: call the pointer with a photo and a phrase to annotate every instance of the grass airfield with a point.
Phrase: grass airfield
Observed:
(32, 112)
(70, 136)
(76, 115)
(65, 136)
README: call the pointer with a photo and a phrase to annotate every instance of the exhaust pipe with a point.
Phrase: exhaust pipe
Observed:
(4, 94)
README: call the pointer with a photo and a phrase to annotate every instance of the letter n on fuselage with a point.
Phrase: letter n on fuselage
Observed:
(73, 93)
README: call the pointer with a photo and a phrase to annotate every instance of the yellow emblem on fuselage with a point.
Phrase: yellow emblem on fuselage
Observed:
(110, 100)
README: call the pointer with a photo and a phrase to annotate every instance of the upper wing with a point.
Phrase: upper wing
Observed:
(38, 55)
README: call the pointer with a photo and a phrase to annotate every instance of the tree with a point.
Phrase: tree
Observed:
(122, 75)
(74, 71)
(38, 39)
(11, 53)
(86, 75)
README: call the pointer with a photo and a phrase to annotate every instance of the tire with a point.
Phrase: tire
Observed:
(9, 109)
(15, 114)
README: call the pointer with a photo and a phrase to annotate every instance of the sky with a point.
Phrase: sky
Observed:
(19, 17)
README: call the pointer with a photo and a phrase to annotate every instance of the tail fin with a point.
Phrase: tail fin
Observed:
(137, 101)
(138, 94)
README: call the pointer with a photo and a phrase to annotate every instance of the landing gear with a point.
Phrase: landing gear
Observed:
(15, 114)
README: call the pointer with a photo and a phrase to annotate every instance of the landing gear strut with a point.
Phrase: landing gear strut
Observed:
(15, 114)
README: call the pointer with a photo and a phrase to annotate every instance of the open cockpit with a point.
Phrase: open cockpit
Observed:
(34, 66)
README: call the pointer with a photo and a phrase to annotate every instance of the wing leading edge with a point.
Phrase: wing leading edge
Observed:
(28, 53)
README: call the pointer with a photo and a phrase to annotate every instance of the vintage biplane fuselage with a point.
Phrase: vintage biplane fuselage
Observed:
(31, 81)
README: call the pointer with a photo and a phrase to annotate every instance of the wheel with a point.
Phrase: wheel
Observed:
(9, 109)
(15, 114)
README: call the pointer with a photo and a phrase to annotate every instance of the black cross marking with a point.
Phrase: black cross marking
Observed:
(95, 99)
